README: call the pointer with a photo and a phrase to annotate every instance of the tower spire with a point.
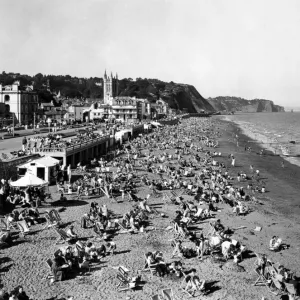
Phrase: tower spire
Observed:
(105, 76)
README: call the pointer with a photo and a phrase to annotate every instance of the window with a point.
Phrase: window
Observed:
(6, 98)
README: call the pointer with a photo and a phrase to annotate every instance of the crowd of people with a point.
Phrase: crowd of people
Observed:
(181, 164)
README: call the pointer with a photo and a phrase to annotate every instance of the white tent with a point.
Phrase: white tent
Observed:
(29, 180)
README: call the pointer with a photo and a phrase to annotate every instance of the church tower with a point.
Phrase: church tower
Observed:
(110, 87)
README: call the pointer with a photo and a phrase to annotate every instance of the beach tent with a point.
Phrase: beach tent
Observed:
(29, 180)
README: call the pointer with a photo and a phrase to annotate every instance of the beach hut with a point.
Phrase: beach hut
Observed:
(44, 168)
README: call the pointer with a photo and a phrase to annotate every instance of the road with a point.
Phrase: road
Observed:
(15, 144)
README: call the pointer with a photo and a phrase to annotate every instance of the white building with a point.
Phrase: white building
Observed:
(97, 111)
(22, 102)
(44, 168)
(124, 108)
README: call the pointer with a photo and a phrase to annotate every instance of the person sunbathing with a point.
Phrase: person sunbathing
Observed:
(5, 238)
(111, 247)
(219, 228)
(275, 244)
(30, 215)
(91, 251)
(59, 267)
(71, 233)
(178, 249)
(161, 266)
(175, 268)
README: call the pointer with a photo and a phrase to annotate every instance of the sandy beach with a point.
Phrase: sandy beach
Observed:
(277, 213)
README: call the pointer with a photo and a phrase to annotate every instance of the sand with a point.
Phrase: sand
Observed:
(24, 263)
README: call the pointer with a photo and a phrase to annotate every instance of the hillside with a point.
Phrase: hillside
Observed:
(178, 96)
(235, 104)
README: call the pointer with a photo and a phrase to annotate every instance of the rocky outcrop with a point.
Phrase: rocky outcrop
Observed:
(235, 104)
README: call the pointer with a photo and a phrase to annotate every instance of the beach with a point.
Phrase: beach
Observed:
(276, 132)
(277, 213)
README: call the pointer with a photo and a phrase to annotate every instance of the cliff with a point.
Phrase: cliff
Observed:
(178, 96)
(230, 104)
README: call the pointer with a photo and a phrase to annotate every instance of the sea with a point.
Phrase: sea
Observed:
(277, 132)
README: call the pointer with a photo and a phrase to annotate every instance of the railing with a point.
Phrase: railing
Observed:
(52, 149)
(74, 147)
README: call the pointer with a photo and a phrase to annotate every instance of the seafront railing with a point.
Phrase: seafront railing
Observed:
(74, 147)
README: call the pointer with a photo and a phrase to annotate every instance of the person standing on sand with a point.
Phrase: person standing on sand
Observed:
(233, 161)
(251, 168)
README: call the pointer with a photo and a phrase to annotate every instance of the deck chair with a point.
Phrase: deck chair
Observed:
(11, 225)
(276, 287)
(175, 195)
(124, 229)
(23, 228)
(2, 224)
(49, 263)
(178, 232)
(123, 271)
(105, 192)
(80, 249)
(261, 280)
(124, 283)
(291, 290)
(183, 286)
(49, 222)
(151, 268)
(52, 219)
(167, 294)
(53, 213)
(166, 197)
(62, 236)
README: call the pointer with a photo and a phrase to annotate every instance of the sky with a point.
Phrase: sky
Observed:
(243, 48)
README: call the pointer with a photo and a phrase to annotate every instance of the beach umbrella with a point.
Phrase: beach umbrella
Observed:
(28, 180)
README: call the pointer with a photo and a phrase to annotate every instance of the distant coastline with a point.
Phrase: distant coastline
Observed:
(230, 104)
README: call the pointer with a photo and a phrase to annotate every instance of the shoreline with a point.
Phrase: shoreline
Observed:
(282, 183)
(265, 142)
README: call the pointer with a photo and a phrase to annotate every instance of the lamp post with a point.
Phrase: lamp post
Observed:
(13, 129)
(33, 121)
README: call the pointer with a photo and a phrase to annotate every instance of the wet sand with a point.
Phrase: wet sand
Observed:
(282, 184)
